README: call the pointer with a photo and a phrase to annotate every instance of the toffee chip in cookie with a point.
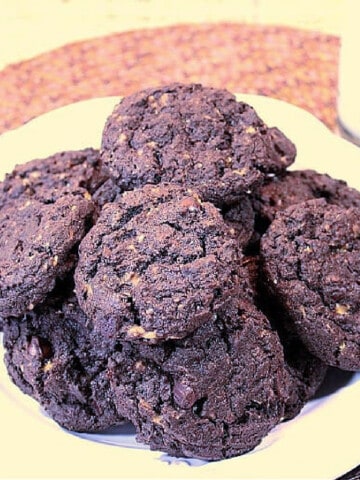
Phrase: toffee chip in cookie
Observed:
(212, 395)
(157, 265)
(51, 356)
(192, 135)
(311, 255)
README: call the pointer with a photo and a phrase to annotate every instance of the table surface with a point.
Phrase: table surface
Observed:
(295, 65)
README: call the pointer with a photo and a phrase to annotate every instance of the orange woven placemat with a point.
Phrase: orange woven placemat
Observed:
(293, 65)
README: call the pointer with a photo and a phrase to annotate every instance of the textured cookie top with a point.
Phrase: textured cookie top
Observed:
(298, 186)
(213, 395)
(311, 255)
(51, 356)
(37, 242)
(48, 178)
(192, 135)
(157, 264)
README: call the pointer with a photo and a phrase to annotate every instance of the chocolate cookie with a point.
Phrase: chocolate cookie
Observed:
(157, 264)
(311, 264)
(192, 135)
(298, 186)
(241, 217)
(212, 395)
(105, 193)
(47, 179)
(38, 241)
(305, 371)
(51, 356)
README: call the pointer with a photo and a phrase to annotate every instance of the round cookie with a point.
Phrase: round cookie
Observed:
(48, 178)
(157, 264)
(212, 395)
(38, 241)
(192, 135)
(311, 264)
(298, 186)
(241, 218)
(51, 356)
(305, 371)
(106, 193)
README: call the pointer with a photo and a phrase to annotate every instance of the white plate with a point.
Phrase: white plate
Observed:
(319, 443)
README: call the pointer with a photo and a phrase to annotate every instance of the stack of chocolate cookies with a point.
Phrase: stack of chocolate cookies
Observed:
(180, 278)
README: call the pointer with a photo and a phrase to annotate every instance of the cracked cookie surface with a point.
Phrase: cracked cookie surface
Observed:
(51, 356)
(192, 135)
(157, 264)
(212, 395)
(311, 263)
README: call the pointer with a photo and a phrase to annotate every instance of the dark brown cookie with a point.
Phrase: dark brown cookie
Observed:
(306, 372)
(192, 135)
(241, 217)
(47, 179)
(105, 193)
(157, 264)
(51, 356)
(38, 243)
(214, 394)
(298, 186)
(311, 262)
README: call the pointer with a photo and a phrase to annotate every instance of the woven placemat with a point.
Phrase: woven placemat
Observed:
(293, 65)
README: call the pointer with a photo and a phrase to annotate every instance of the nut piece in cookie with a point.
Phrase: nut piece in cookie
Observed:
(51, 356)
(157, 264)
(311, 255)
(212, 395)
(195, 136)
